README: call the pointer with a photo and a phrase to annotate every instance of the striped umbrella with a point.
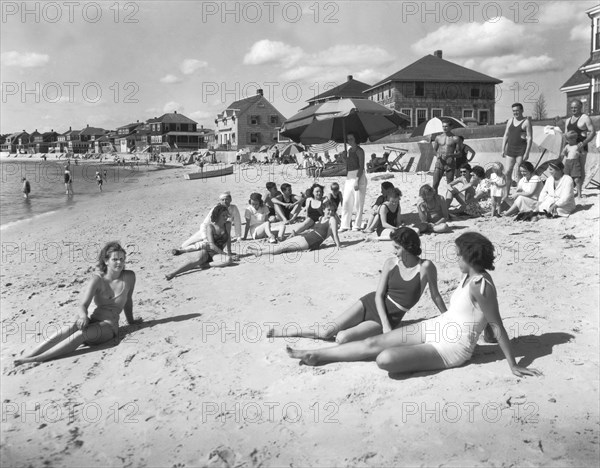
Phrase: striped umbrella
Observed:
(322, 147)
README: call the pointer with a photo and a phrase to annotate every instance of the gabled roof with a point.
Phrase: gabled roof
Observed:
(432, 68)
(350, 89)
(173, 117)
(576, 79)
(243, 105)
(35, 133)
(18, 134)
(131, 126)
(92, 131)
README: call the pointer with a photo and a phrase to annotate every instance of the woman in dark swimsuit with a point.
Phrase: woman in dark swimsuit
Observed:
(314, 209)
(111, 288)
(217, 239)
(401, 284)
(389, 215)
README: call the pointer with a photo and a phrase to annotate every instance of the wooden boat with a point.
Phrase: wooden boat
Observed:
(225, 171)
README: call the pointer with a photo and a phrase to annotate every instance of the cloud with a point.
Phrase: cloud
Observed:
(189, 66)
(513, 64)
(369, 76)
(201, 115)
(24, 60)
(580, 33)
(170, 79)
(502, 37)
(553, 13)
(173, 106)
(266, 51)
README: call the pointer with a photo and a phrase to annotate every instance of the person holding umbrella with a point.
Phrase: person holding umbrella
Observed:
(355, 188)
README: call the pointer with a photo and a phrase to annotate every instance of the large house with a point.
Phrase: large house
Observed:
(584, 84)
(434, 87)
(172, 131)
(250, 122)
(16, 142)
(89, 140)
(125, 138)
(351, 88)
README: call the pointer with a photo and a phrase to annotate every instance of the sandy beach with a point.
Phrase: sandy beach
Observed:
(200, 384)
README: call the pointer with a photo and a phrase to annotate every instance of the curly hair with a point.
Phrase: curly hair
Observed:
(256, 197)
(408, 239)
(476, 250)
(478, 171)
(216, 213)
(106, 252)
(425, 189)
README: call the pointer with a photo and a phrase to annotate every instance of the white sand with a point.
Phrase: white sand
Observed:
(199, 384)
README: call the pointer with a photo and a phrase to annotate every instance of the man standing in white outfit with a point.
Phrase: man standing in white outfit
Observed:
(355, 188)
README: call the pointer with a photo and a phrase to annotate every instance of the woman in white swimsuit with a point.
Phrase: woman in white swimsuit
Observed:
(444, 341)
(111, 288)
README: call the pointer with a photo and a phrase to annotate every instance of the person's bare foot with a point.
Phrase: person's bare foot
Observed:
(176, 252)
(305, 357)
(274, 333)
(169, 277)
(24, 360)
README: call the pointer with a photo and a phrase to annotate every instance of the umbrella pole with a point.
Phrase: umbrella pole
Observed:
(539, 160)
(344, 132)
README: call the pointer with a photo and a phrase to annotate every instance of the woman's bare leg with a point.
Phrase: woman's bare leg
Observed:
(62, 334)
(442, 227)
(420, 357)
(303, 226)
(364, 350)
(350, 318)
(293, 244)
(202, 260)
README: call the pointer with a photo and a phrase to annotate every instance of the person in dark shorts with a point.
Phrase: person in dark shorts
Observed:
(446, 147)
(464, 152)
(516, 143)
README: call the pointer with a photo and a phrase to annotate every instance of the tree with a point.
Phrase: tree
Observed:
(539, 108)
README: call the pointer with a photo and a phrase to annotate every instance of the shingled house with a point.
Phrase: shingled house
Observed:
(434, 87)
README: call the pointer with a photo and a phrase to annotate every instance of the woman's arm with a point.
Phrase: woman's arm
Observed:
(485, 295)
(422, 211)
(431, 279)
(380, 294)
(210, 237)
(399, 216)
(383, 211)
(228, 231)
(237, 222)
(445, 212)
(91, 288)
(246, 229)
(333, 232)
(360, 153)
(530, 192)
(128, 309)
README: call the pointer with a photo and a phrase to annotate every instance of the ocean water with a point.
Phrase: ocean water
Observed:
(48, 188)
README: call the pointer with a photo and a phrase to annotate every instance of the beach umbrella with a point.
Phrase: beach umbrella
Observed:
(333, 120)
(264, 149)
(292, 148)
(322, 147)
(549, 138)
(434, 125)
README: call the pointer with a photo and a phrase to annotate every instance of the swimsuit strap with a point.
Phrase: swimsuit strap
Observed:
(478, 279)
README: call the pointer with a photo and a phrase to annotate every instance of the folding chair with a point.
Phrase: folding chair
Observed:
(395, 164)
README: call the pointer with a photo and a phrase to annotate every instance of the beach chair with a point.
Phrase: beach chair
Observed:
(592, 182)
(395, 164)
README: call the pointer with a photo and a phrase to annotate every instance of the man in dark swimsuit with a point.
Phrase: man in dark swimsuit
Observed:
(583, 126)
(446, 146)
(516, 143)
(465, 151)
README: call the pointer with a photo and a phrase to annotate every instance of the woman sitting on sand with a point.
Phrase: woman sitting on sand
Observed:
(528, 190)
(401, 284)
(442, 342)
(433, 211)
(557, 197)
(257, 219)
(111, 288)
(310, 239)
(390, 215)
(216, 239)
(313, 204)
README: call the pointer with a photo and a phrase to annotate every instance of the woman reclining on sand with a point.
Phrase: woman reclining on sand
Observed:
(310, 239)
(401, 284)
(111, 288)
(442, 342)
(216, 239)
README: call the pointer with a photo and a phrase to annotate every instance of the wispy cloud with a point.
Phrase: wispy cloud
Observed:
(189, 66)
(24, 59)
(266, 51)
(170, 79)
(172, 106)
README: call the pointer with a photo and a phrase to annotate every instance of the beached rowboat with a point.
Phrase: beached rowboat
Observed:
(208, 174)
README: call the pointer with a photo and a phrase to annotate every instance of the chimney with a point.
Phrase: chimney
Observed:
(175, 112)
(88, 125)
(70, 129)
(349, 77)
(259, 91)
(438, 53)
(201, 127)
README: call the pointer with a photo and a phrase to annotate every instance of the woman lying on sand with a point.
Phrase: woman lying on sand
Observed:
(111, 288)
(215, 240)
(401, 284)
(310, 239)
(442, 342)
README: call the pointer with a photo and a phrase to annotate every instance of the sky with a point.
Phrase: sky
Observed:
(106, 64)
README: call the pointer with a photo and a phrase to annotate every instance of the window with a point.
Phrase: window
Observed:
(254, 120)
(389, 92)
(437, 113)
(255, 138)
(467, 113)
(274, 120)
(475, 93)
(419, 89)
(409, 113)
(484, 117)
(596, 34)
(421, 116)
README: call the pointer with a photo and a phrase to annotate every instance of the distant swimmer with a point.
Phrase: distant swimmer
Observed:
(99, 180)
(68, 181)
(26, 189)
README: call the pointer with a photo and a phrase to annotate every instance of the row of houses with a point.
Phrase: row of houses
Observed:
(171, 131)
(429, 87)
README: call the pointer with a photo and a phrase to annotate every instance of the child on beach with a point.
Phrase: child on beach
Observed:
(257, 219)
(99, 180)
(336, 199)
(209, 243)
(389, 215)
(373, 220)
(572, 163)
(111, 288)
(497, 183)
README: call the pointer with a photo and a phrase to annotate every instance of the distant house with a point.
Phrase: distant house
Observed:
(434, 87)
(125, 138)
(171, 132)
(351, 88)
(16, 142)
(88, 137)
(584, 84)
(250, 122)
